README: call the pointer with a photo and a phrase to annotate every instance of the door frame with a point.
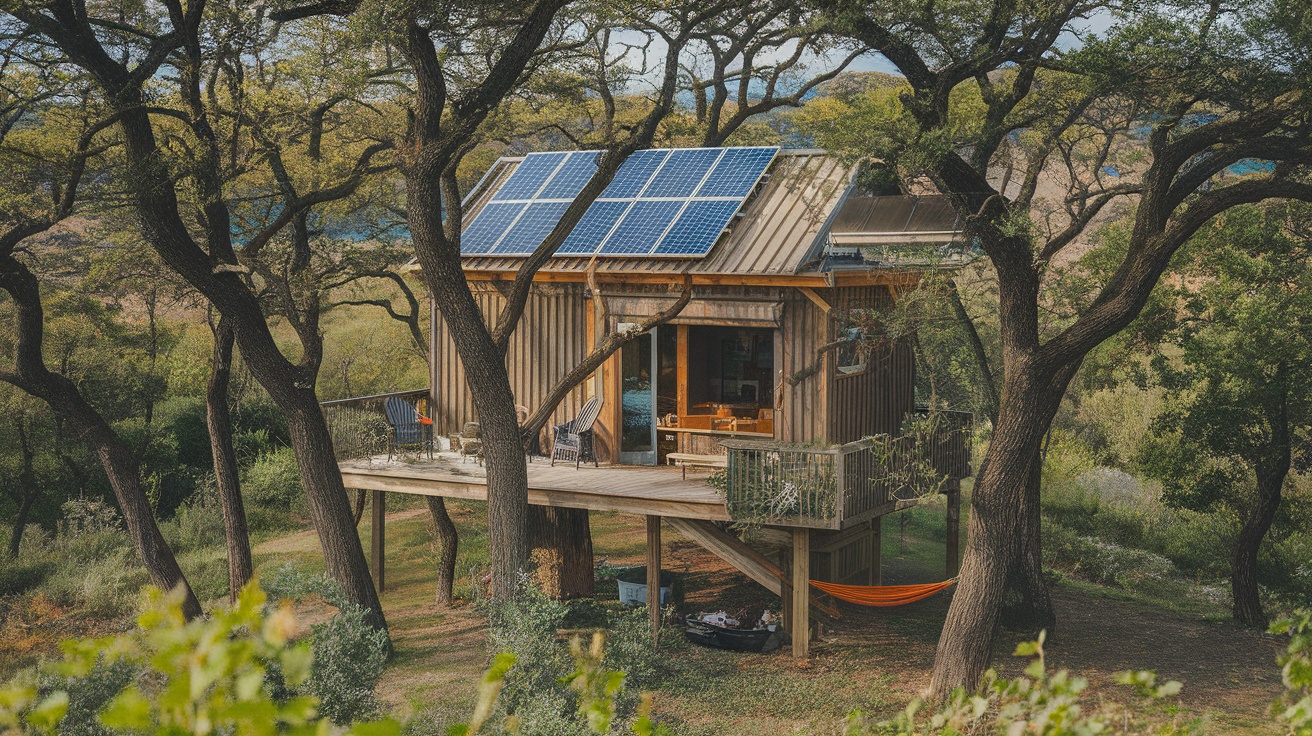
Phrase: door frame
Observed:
(645, 457)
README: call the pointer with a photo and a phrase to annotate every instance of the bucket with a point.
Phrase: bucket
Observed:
(635, 594)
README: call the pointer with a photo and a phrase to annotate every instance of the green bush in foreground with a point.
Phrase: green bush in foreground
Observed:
(199, 677)
(1295, 709)
(1038, 702)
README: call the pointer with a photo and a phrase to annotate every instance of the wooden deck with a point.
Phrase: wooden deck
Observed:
(626, 489)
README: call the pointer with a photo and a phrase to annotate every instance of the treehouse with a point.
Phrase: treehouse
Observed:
(772, 382)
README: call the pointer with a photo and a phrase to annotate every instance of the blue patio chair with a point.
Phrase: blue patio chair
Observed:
(574, 438)
(409, 427)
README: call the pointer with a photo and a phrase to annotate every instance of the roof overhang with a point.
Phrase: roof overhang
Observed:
(854, 277)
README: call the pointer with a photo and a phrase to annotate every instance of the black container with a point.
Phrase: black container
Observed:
(737, 640)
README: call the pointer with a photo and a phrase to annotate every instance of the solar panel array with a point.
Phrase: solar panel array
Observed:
(662, 202)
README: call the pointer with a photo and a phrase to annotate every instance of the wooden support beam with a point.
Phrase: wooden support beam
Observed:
(819, 301)
(748, 561)
(377, 542)
(654, 577)
(801, 623)
(877, 551)
(954, 529)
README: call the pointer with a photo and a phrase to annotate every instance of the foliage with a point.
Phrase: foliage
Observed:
(1295, 710)
(599, 692)
(273, 480)
(349, 656)
(1040, 702)
(199, 677)
(1244, 358)
(349, 653)
(538, 693)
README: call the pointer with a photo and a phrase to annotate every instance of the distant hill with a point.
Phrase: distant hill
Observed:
(854, 83)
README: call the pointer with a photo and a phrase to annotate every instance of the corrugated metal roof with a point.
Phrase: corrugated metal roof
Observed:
(779, 232)
(897, 214)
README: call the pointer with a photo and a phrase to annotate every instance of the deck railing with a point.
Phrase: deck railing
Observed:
(828, 487)
(359, 425)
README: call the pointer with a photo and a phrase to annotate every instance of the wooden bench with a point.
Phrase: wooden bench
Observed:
(687, 459)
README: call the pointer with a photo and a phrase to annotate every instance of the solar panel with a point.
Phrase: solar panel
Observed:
(596, 224)
(661, 202)
(482, 234)
(699, 223)
(532, 227)
(634, 174)
(683, 172)
(642, 226)
(529, 176)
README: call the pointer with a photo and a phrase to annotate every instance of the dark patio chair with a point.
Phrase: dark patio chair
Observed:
(409, 427)
(574, 438)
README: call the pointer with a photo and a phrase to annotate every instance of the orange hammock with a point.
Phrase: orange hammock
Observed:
(881, 595)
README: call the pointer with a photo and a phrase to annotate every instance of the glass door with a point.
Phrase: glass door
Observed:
(637, 376)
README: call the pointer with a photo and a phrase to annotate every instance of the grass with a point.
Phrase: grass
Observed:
(876, 660)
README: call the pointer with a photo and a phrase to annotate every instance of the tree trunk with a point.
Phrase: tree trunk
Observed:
(116, 458)
(360, 496)
(562, 548)
(444, 533)
(998, 535)
(1271, 473)
(219, 422)
(489, 386)
(329, 508)
(28, 488)
(1026, 600)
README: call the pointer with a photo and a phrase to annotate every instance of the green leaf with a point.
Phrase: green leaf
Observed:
(128, 710)
(49, 712)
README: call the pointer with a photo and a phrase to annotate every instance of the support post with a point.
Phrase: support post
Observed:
(801, 623)
(954, 529)
(877, 551)
(654, 576)
(378, 519)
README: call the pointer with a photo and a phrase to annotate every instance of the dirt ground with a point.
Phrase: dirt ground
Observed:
(874, 659)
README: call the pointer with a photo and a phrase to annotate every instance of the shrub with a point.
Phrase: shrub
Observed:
(88, 694)
(1295, 708)
(238, 646)
(197, 523)
(349, 654)
(273, 480)
(536, 693)
(21, 575)
(1104, 562)
(1038, 702)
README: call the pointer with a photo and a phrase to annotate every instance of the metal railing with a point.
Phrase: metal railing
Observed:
(359, 425)
(827, 487)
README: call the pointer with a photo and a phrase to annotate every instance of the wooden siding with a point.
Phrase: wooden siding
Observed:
(551, 339)
(800, 409)
(877, 400)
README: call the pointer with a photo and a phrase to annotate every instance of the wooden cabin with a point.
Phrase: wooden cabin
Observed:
(765, 366)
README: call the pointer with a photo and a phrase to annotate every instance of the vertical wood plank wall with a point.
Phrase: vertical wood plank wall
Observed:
(801, 413)
(876, 401)
(551, 339)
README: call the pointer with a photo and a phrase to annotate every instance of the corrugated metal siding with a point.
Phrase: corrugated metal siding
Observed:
(876, 401)
(551, 339)
(777, 233)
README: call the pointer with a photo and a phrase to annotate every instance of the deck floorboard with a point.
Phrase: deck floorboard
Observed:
(630, 489)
